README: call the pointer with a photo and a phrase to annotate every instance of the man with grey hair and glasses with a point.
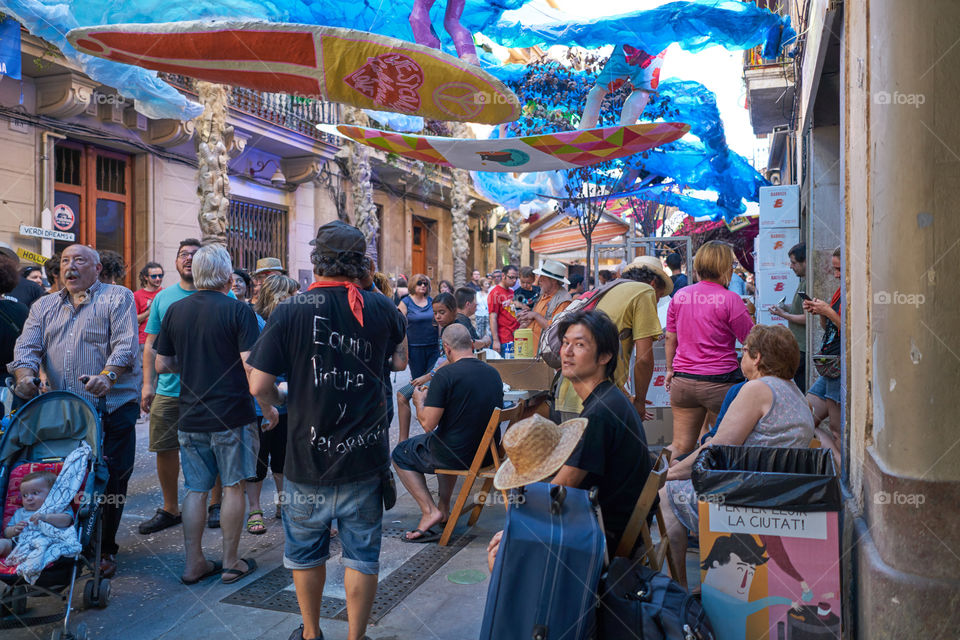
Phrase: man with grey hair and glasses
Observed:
(206, 338)
(85, 337)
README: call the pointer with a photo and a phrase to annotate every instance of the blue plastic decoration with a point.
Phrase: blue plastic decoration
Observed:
(694, 26)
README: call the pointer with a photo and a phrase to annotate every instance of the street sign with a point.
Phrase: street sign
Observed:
(30, 256)
(10, 48)
(37, 232)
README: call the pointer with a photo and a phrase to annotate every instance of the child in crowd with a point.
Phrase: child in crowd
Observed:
(444, 314)
(33, 491)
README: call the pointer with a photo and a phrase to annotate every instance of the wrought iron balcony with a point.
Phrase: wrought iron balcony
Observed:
(287, 111)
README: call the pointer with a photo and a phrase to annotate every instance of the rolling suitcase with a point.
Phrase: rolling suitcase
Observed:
(545, 578)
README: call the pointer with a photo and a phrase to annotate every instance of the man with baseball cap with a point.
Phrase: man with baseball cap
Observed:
(331, 342)
(554, 297)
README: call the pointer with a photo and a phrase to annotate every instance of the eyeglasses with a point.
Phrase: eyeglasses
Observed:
(183, 255)
(156, 276)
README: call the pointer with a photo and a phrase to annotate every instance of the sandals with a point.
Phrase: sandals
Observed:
(236, 574)
(423, 536)
(217, 568)
(255, 524)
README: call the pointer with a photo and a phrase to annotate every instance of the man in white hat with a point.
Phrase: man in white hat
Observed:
(265, 268)
(554, 298)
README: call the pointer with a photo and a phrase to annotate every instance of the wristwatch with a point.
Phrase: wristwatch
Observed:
(111, 376)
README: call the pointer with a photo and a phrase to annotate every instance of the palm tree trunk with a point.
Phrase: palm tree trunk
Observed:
(364, 210)
(213, 184)
(515, 247)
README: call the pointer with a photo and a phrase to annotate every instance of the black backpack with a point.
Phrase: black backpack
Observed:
(638, 603)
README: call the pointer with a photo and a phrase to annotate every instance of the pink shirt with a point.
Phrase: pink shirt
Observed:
(708, 320)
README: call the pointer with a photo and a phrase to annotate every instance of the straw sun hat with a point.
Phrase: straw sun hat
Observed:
(536, 448)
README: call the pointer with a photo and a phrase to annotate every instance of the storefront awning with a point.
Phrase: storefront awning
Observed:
(564, 235)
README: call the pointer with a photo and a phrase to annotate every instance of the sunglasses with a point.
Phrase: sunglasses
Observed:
(422, 283)
(156, 276)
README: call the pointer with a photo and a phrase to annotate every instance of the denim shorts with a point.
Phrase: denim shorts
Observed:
(826, 388)
(231, 454)
(308, 511)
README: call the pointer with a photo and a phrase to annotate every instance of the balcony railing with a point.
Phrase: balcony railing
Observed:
(752, 59)
(290, 112)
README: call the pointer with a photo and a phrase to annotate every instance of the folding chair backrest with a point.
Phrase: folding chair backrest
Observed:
(655, 482)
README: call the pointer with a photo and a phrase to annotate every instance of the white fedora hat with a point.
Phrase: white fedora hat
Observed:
(553, 269)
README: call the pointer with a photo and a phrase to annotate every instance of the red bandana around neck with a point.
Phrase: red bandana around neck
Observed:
(353, 296)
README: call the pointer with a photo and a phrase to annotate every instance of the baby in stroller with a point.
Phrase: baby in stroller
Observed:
(34, 489)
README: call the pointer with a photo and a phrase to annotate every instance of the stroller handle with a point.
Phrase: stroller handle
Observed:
(101, 401)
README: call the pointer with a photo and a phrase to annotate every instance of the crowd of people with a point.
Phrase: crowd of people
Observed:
(240, 373)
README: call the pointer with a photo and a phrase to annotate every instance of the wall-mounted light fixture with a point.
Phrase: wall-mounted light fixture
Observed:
(277, 179)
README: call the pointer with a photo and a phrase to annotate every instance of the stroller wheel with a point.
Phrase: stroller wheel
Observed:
(103, 597)
(57, 634)
(81, 632)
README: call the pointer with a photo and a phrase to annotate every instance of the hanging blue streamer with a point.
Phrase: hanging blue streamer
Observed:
(693, 25)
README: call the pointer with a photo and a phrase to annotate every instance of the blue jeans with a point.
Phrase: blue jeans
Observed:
(231, 454)
(308, 511)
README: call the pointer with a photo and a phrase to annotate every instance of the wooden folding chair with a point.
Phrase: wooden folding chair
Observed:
(651, 555)
(488, 444)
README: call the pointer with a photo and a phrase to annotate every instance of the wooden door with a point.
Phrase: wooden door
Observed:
(93, 199)
(418, 249)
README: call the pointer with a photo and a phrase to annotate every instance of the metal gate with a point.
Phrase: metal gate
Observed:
(256, 231)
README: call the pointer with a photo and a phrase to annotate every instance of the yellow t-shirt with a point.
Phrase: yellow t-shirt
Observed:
(633, 308)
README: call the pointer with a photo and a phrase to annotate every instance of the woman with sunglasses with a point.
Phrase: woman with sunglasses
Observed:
(417, 306)
(151, 277)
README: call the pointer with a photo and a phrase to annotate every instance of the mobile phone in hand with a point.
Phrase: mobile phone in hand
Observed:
(804, 296)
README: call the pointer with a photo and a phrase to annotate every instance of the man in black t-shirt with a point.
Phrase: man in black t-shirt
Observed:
(466, 307)
(612, 454)
(331, 343)
(454, 413)
(206, 338)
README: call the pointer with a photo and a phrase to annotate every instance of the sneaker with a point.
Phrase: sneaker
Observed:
(162, 520)
(213, 516)
(298, 634)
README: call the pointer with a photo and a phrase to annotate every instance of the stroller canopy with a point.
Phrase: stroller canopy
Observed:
(50, 425)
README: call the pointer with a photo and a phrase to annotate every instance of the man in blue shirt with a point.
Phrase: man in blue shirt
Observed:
(161, 399)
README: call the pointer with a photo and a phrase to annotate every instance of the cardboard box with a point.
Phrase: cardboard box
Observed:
(772, 285)
(525, 375)
(780, 206)
(772, 246)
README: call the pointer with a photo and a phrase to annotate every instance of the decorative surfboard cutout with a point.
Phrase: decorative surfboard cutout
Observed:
(341, 65)
(542, 152)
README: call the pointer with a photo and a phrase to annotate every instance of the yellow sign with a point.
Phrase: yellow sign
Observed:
(32, 257)
(737, 223)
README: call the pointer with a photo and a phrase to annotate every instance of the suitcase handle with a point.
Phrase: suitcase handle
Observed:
(558, 493)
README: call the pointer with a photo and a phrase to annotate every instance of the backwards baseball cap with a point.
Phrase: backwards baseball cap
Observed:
(337, 237)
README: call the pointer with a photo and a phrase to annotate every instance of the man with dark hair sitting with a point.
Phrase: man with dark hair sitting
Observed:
(466, 307)
(453, 412)
(612, 455)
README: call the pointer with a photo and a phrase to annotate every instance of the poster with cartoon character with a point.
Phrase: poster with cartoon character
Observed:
(770, 574)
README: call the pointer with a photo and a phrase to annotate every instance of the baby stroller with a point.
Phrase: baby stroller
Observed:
(38, 437)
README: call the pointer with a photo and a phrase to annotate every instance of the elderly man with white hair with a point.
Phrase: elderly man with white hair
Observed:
(85, 337)
(206, 338)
